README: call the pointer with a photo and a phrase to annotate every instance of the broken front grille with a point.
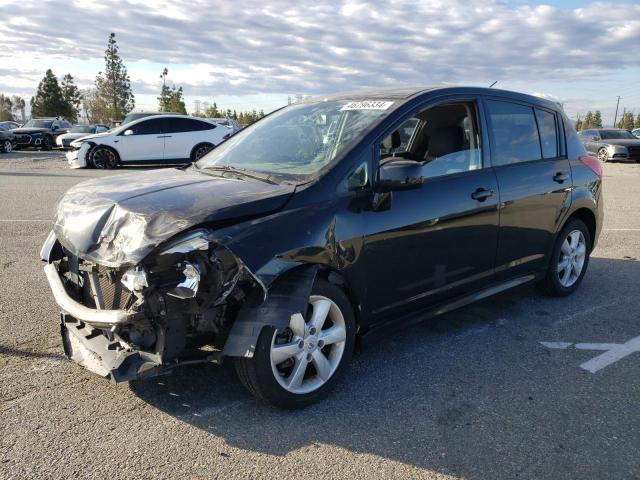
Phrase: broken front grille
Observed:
(102, 287)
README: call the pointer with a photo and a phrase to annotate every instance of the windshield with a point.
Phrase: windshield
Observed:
(82, 129)
(298, 141)
(616, 134)
(39, 124)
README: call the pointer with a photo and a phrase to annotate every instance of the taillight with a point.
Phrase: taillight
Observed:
(593, 164)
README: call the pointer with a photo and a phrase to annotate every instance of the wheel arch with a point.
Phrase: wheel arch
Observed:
(199, 144)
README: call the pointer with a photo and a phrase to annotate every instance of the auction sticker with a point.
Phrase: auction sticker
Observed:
(367, 105)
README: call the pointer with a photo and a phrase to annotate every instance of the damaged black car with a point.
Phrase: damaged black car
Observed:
(327, 223)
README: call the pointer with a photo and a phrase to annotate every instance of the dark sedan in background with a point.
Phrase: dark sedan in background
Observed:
(40, 132)
(611, 144)
(7, 138)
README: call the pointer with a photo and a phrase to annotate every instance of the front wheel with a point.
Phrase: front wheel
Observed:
(603, 155)
(7, 146)
(104, 158)
(299, 365)
(47, 143)
(569, 260)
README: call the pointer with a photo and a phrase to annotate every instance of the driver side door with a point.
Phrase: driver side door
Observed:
(145, 143)
(439, 240)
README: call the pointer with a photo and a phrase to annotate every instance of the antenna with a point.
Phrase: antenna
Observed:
(493, 84)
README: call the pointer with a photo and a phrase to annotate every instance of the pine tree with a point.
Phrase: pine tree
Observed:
(626, 122)
(49, 100)
(114, 86)
(579, 124)
(176, 103)
(597, 119)
(6, 107)
(588, 120)
(72, 98)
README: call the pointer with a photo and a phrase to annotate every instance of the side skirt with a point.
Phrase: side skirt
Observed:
(383, 330)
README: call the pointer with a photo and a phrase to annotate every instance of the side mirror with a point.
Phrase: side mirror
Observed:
(128, 132)
(595, 139)
(400, 175)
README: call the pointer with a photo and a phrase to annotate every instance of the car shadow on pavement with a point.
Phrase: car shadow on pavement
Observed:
(471, 393)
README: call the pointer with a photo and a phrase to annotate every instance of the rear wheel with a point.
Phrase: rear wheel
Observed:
(299, 365)
(200, 151)
(603, 155)
(104, 158)
(7, 146)
(569, 260)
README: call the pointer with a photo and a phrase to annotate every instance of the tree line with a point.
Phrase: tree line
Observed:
(108, 101)
(594, 120)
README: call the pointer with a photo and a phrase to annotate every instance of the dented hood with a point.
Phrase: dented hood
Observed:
(118, 220)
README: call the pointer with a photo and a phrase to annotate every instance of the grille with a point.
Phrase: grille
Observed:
(23, 138)
(66, 142)
(102, 289)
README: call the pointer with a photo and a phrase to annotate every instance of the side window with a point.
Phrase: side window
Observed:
(445, 139)
(147, 127)
(514, 132)
(548, 133)
(181, 125)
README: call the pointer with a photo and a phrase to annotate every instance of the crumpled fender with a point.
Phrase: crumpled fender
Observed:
(288, 296)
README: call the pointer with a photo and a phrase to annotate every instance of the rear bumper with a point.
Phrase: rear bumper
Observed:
(91, 349)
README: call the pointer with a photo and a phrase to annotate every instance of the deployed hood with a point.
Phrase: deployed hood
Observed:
(626, 142)
(30, 131)
(119, 219)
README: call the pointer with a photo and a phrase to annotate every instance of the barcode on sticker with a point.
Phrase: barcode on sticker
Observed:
(367, 105)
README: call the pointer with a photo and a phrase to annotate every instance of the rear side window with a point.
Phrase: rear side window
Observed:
(548, 133)
(514, 132)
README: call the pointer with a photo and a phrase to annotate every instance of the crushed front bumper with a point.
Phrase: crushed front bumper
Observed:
(110, 359)
(78, 158)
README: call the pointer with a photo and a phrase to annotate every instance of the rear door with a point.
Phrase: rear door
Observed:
(534, 177)
(145, 143)
(182, 134)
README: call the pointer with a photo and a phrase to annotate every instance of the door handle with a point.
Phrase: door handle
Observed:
(560, 177)
(481, 194)
(163, 136)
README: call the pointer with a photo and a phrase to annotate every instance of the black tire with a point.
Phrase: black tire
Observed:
(256, 373)
(200, 150)
(47, 143)
(7, 146)
(551, 284)
(104, 158)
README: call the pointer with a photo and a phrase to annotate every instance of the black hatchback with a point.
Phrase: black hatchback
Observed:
(330, 221)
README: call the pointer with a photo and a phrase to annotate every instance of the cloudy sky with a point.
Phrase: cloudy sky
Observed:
(246, 54)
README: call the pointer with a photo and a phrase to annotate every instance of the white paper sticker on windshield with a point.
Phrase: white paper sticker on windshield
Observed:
(367, 105)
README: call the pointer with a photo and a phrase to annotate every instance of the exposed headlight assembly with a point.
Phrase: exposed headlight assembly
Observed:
(194, 241)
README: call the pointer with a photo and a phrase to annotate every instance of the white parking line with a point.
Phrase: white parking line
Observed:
(612, 352)
(621, 229)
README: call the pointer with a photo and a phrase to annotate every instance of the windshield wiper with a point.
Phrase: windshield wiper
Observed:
(241, 172)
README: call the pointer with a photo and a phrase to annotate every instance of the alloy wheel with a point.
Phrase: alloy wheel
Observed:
(104, 158)
(306, 354)
(603, 155)
(201, 152)
(8, 147)
(572, 256)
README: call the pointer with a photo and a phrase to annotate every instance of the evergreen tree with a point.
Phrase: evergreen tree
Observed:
(636, 124)
(49, 100)
(597, 119)
(114, 86)
(588, 121)
(176, 103)
(626, 121)
(72, 98)
(579, 124)
(6, 107)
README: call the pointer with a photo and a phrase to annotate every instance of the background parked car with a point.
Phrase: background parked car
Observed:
(153, 139)
(7, 138)
(636, 132)
(79, 131)
(228, 122)
(40, 132)
(611, 144)
(9, 125)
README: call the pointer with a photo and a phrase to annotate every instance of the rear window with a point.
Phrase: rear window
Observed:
(548, 133)
(514, 132)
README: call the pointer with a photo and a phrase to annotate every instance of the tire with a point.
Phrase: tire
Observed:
(574, 255)
(7, 146)
(47, 144)
(104, 158)
(603, 155)
(266, 379)
(200, 150)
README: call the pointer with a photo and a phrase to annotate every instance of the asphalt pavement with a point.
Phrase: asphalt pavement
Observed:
(473, 394)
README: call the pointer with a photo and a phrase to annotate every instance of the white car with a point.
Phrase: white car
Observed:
(636, 132)
(77, 132)
(155, 139)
